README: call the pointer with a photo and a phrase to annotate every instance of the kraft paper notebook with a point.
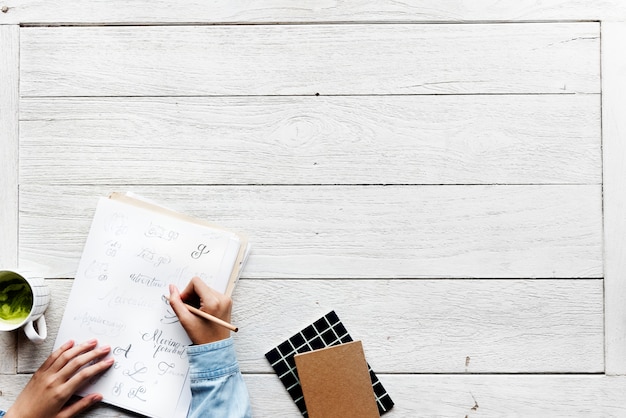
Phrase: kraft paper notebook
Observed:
(134, 250)
(336, 382)
(327, 331)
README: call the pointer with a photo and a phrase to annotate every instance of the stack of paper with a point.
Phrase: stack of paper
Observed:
(134, 250)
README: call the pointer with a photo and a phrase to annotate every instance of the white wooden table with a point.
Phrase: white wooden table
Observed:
(448, 176)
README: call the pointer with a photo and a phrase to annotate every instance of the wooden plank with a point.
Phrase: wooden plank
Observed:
(9, 81)
(8, 359)
(266, 11)
(434, 326)
(355, 231)
(473, 396)
(9, 143)
(614, 150)
(490, 396)
(310, 59)
(438, 395)
(534, 139)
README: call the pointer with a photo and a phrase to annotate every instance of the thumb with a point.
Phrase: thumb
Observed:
(79, 406)
(179, 307)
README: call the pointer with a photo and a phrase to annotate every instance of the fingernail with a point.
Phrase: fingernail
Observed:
(109, 361)
(105, 349)
(96, 397)
(68, 345)
(92, 342)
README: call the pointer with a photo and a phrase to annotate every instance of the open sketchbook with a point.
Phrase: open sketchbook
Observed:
(134, 250)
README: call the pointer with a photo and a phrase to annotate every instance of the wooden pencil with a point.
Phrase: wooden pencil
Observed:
(210, 317)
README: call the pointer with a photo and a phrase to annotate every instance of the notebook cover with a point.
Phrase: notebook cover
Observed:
(336, 382)
(326, 331)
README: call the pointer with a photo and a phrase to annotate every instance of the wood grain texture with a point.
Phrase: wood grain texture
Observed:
(8, 347)
(491, 396)
(534, 139)
(419, 209)
(354, 232)
(474, 396)
(266, 11)
(614, 143)
(9, 144)
(310, 59)
(502, 326)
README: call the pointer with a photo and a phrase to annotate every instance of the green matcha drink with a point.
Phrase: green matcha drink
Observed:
(16, 298)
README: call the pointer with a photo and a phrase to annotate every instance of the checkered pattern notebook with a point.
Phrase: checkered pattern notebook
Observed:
(324, 332)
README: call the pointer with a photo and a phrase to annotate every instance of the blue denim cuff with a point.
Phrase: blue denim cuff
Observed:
(213, 360)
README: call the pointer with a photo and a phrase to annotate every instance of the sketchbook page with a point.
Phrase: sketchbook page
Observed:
(130, 257)
(234, 257)
(240, 240)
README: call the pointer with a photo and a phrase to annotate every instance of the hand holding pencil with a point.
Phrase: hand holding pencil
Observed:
(202, 330)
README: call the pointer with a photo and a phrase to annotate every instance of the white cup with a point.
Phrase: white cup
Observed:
(23, 300)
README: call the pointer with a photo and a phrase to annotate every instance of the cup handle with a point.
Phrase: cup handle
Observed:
(29, 330)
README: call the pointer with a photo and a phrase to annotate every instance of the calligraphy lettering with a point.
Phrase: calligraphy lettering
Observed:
(119, 350)
(202, 249)
(138, 370)
(164, 345)
(137, 393)
(117, 388)
(164, 367)
(146, 280)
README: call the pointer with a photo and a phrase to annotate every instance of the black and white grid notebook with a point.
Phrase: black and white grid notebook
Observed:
(326, 331)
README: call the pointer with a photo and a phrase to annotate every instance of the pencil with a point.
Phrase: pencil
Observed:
(210, 317)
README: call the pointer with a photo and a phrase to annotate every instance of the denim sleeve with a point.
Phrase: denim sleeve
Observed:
(1, 413)
(217, 386)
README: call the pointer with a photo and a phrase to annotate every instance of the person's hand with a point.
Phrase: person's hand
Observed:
(48, 391)
(199, 294)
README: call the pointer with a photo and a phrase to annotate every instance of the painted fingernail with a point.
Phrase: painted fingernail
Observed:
(105, 349)
(96, 397)
(92, 342)
(68, 345)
